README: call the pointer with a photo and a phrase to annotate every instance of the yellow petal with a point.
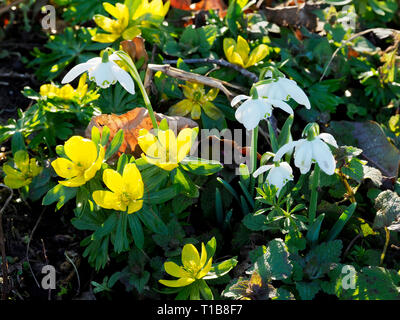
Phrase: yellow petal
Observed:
(203, 256)
(135, 206)
(66, 92)
(176, 271)
(205, 270)
(211, 94)
(185, 140)
(235, 57)
(107, 200)
(212, 111)
(147, 142)
(190, 257)
(167, 139)
(182, 108)
(91, 172)
(229, 47)
(81, 151)
(8, 170)
(74, 182)
(65, 168)
(257, 55)
(196, 111)
(132, 181)
(182, 282)
(131, 33)
(242, 48)
(105, 37)
(105, 23)
(113, 180)
(15, 182)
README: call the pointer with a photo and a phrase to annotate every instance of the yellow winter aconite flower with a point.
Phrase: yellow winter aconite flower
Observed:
(83, 163)
(26, 169)
(154, 8)
(116, 28)
(126, 191)
(166, 150)
(197, 99)
(238, 52)
(66, 92)
(127, 25)
(194, 267)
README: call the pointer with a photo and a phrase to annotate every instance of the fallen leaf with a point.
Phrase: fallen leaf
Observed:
(387, 205)
(131, 123)
(136, 50)
(369, 137)
(203, 5)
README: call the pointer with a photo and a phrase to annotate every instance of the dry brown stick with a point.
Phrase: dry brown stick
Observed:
(4, 263)
(12, 4)
(189, 76)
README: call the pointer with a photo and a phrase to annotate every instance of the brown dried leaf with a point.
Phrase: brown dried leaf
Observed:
(131, 123)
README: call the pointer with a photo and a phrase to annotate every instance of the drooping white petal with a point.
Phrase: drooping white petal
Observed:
(275, 178)
(303, 156)
(123, 78)
(286, 170)
(323, 156)
(103, 75)
(262, 169)
(76, 71)
(281, 105)
(272, 91)
(239, 98)
(251, 112)
(285, 149)
(328, 138)
(295, 92)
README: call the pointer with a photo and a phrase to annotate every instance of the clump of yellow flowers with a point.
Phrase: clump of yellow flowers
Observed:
(238, 52)
(166, 150)
(23, 173)
(126, 191)
(84, 160)
(196, 100)
(127, 24)
(194, 267)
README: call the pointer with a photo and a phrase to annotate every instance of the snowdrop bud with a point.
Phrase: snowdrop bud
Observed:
(311, 131)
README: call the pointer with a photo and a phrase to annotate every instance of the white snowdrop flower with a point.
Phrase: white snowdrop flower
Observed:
(283, 89)
(104, 71)
(279, 174)
(311, 151)
(252, 111)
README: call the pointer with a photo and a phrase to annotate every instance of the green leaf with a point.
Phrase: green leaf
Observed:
(220, 269)
(285, 135)
(307, 290)
(136, 230)
(211, 247)
(152, 221)
(60, 194)
(343, 219)
(116, 142)
(387, 205)
(205, 290)
(189, 188)
(272, 137)
(200, 166)
(275, 263)
(121, 242)
(107, 227)
(313, 231)
(105, 136)
(164, 195)
(17, 142)
(219, 210)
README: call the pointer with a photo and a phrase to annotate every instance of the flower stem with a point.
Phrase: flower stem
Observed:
(314, 194)
(135, 74)
(253, 154)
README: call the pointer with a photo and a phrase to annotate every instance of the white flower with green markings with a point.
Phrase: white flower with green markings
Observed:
(279, 174)
(104, 71)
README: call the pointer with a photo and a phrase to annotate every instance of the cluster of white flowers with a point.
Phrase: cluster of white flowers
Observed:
(313, 149)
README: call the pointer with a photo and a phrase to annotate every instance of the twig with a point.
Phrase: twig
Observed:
(351, 244)
(76, 271)
(387, 238)
(351, 39)
(221, 62)
(189, 76)
(15, 75)
(29, 242)
(47, 262)
(4, 263)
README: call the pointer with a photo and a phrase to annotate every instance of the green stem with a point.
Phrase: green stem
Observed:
(253, 155)
(314, 194)
(135, 74)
